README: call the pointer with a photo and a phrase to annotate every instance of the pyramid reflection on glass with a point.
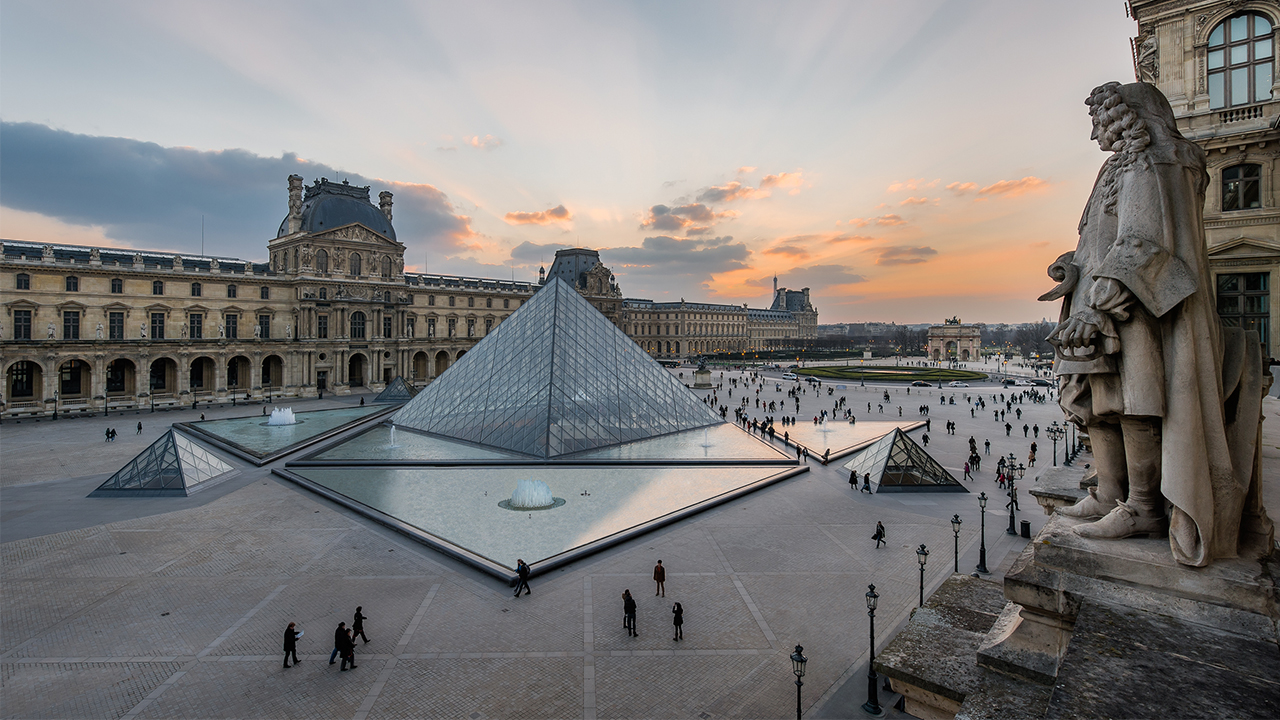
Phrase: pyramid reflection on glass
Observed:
(897, 464)
(554, 378)
(172, 465)
(397, 392)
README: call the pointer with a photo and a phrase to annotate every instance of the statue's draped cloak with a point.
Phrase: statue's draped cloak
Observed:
(1175, 360)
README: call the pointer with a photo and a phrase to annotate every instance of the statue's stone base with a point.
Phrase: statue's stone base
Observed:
(1059, 486)
(702, 379)
(1098, 628)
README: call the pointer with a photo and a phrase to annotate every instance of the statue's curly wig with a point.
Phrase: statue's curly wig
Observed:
(1120, 130)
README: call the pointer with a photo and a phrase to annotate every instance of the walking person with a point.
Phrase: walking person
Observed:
(853, 479)
(987, 446)
(677, 619)
(357, 625)
(866, 483)
(291, 636)
(108, 435)
(338, 634)
(967, 476)
(629, 614)
(660, 577)
(348, 652)
(523, 571)
(1013, 498)
(139, 428)
(879, 536)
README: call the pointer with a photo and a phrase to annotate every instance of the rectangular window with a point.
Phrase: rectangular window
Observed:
(231, 291)
(157, 287)
(264, 293)
(451, 300)
(1240, 86)
(196, 289)
(322, 326)
(471, 302)
(488, 302)
(115, 326)
(73, 284)
(21, 384)
(1262, 82)
(386, 326)
(117, 286)
(506, 304)
(471, 327)
(488, 325)
(1217, 91)
(264, 327)
(233, 326)
(453, 327)
(71, 325)
(21, 324)
(196, 326)
(1244, 300)
(157, 326)
(324, 293)
(431, 299)
(23, 281)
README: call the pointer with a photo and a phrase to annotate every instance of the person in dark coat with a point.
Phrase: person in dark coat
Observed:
(879, 536)
(357, 626)
(348, 648)
(866, 483)
(291, 644)
(853, 479)
(523, 571)
(338, 634)
(677, 619)
(629, 613)
(660, 577)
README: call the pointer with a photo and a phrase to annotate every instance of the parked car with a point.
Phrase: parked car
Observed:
(957, 383)
(1023, 382)
(789, 376)
(921, 383)
(1041, 382)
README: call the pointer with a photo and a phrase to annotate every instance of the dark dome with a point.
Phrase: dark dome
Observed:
(332, 205)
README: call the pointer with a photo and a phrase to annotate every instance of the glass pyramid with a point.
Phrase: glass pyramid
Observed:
(897, 464)
(555, 378)
(397, 391)
(172, 465)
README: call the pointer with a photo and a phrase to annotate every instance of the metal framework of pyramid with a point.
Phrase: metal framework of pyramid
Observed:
(897, 464)
(172, 465)
(554, 378)
(397, 391)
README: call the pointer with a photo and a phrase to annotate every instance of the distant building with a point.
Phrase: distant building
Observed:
(582, 269)
(1215, 61)
(954, 340)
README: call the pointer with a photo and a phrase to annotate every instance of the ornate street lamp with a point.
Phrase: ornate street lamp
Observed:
(872, 705)
(922, 554)
(798, 661)
(982, 549)
(1019, 472)
(1055, 433)
(955, 528)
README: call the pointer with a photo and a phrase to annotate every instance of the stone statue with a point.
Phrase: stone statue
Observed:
(399, 265)
(288, 331)
(177, 263)
(213, 265)
(95, 255)
(184, 331)
(307, 256)
(257, 332)
(222, 331)
(142, 330)
(50, 331)
(1147, 59)
(335, 261)
(1171, 398)
(98, 332)
(46, 253)
(137, 259)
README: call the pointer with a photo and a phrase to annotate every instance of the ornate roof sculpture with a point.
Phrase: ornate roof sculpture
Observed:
(172, 465)
(555, 378)
(897, 464)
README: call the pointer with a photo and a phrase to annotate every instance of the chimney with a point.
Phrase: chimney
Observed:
(384, 203)
(295, 203)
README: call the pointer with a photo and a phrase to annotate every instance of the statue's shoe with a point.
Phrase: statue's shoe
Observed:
(1122, 522)
(1088, 507)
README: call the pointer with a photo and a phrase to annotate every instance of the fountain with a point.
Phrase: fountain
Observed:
(282, 416)
(706, 443)
(392, 443)
(826, 432)
(532, 495)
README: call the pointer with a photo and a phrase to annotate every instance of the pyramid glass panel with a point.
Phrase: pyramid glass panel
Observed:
(172, 463)
(397, 392)
(555, 378)
(896, 463)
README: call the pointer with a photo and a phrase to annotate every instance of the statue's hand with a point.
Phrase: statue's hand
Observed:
(1110, 296)
(1078, 331)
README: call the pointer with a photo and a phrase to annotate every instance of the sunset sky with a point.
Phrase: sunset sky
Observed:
(908, 161)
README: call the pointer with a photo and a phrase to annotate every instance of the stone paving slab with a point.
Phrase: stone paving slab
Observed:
(264, 689)
(478, 688)
(88, 689)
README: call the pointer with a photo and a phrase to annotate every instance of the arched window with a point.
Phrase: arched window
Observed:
(386, 266)
(73, 283)
(355, 264)
(1241, 187)
(357, 326)
(322, 261)
(157, 287)
(1240, 61)
(296, 266)
(196, 289)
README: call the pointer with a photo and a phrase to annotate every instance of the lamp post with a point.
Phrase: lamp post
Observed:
(982, 548)
(797, 666)
(55, 404)
(955, 528)
(1021, 470)
(1055, 433)
(922, 554)
(872, 705)
(1069, 448)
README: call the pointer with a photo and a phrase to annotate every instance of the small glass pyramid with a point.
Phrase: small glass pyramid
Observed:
(172, 465)
(397, 392)
(897, 464)
(555, 378)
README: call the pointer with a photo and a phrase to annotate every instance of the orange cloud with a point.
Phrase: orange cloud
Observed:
(902, 255)
(912, 184)
(693, 219)
(746, 169)
(729, 192)
(557, 214)
(885, 220)
(915, 201)
(787, 250)
(793, 180)
(1014, 188)
(960, 188)
(488, 142)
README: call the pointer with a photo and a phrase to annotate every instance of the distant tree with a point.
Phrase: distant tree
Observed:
(1030, 339)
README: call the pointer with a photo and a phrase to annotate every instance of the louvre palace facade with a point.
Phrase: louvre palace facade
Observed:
(87, 329)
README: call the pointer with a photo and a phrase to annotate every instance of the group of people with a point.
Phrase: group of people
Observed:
(344, 641)
(629, 606)
(111, 432)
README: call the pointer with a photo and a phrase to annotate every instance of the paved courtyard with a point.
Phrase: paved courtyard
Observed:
(175, 607)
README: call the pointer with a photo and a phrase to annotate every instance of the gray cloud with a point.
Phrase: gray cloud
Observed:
(815, 277)
(150, 196)
(527, 253)
(668, 264)
(902, 255)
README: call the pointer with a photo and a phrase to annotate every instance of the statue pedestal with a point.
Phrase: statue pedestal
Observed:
(1097, 628)
(702, 379)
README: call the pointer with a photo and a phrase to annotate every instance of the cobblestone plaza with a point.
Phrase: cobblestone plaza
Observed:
(175, 607)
